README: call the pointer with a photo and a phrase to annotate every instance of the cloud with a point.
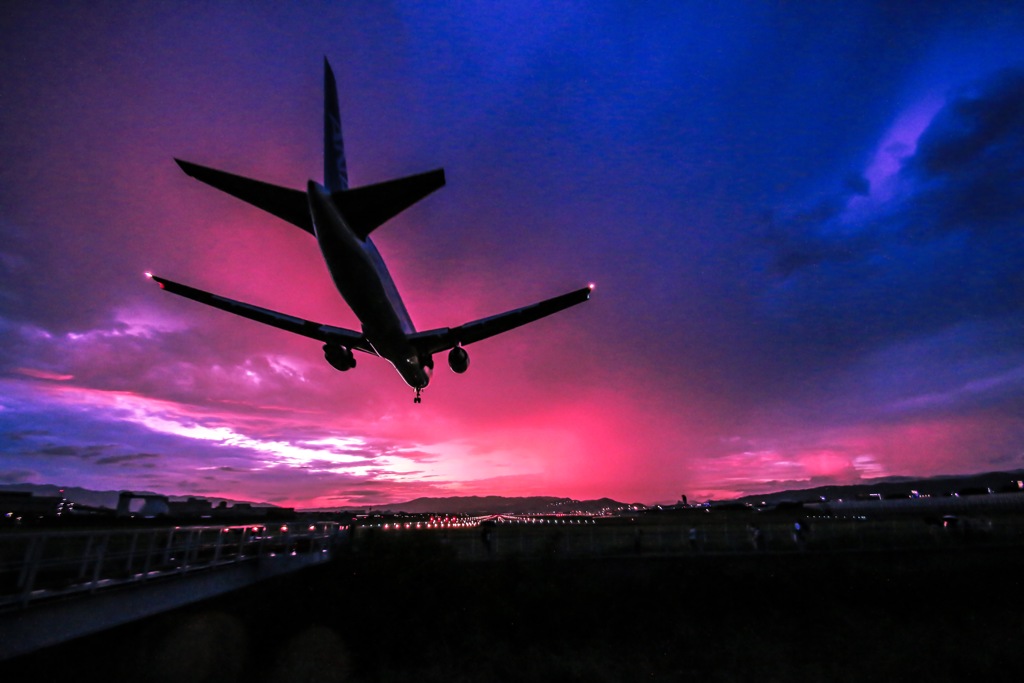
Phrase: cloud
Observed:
(146, 354)
(969, 164)
(17, 476)
(43, 374)
(123, 459)
(776, 459)
(964, 173)
(76, 451)
(279, 457)
(935, 244)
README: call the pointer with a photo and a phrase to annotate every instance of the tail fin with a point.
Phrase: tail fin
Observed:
(335, 168)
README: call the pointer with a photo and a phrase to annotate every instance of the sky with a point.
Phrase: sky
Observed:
(803, 221)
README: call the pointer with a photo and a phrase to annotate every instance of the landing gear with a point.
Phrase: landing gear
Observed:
(418, 399)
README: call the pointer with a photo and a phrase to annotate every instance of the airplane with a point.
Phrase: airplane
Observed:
(341, 219)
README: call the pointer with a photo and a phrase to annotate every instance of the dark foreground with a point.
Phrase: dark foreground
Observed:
(409, 614)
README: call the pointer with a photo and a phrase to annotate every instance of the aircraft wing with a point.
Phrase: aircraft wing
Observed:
(435, 341)
(307, 328)
(285, 203)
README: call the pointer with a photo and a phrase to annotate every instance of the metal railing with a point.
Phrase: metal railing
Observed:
(41, 565)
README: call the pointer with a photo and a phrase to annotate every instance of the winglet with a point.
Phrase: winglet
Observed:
(161, 282)
(335, 167)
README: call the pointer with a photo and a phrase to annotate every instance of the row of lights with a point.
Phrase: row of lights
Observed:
(452, 524)
(534, 520)
(428, 525)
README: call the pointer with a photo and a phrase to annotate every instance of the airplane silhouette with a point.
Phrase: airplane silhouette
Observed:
(341, 219)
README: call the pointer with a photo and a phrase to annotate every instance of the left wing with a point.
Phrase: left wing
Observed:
(307, 328)
(435, 341)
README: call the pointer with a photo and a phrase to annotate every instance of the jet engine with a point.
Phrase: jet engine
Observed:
(458, 360)
(340, 357)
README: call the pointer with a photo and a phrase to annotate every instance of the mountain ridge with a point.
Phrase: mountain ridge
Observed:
(107, 498)
(501, 504)
(894, 486)
(938, 485)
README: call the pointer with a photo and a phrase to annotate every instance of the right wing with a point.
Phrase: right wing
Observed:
(307, 328)
(435, 341)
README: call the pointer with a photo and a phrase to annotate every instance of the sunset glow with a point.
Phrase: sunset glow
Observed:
(806, 234)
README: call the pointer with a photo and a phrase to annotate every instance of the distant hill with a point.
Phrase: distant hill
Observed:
(479, 505)
(890, 487)
(491, 505)
(105, 499)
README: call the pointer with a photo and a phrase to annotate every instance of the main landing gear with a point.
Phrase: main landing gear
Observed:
(418, 399)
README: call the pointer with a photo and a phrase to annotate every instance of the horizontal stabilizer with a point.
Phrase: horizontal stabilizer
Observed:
(307, 328)
(435, 341)
(287, 204)
(365, 208)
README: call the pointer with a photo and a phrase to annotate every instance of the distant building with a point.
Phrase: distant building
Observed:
(153, 505)
(15, 505)
(193, 507)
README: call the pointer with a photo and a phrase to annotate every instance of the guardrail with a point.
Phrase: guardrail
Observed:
(43, 565)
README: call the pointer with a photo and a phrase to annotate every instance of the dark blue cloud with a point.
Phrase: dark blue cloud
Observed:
(945, 248)
(128, 458)
(969, 164)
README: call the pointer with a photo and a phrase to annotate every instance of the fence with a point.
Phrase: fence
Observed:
(44, 565)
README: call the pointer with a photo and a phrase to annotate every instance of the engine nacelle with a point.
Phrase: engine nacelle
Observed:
(340, 357)
(458, 360)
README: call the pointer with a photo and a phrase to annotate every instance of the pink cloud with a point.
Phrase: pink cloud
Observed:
(44, 374)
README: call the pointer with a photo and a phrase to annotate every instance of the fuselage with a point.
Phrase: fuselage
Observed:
(364, 282)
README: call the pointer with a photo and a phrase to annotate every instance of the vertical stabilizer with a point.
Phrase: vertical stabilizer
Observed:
(335, 169)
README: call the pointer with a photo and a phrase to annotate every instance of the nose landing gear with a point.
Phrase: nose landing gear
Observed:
(418, 399)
